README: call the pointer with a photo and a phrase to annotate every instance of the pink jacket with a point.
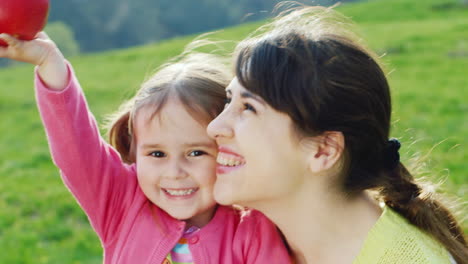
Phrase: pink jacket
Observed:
(131, 228)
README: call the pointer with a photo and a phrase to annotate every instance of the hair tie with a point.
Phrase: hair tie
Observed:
(391, 155)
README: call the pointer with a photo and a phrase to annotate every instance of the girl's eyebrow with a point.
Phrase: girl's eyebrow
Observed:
(201, 144)
(205, 144)
(151, 146)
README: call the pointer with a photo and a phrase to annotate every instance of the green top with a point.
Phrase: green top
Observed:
(394, 240)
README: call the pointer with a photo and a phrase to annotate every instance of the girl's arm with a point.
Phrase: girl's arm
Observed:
(91, 169)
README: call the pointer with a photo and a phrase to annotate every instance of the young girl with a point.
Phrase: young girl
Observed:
(158, 207)
(308, 119)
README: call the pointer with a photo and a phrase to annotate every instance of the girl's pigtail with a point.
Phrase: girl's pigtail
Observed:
(120, 136)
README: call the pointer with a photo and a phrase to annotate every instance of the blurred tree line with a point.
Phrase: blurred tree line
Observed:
(106, 24)
(95, 25)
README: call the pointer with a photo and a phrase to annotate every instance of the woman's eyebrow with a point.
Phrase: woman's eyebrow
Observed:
(246, 94)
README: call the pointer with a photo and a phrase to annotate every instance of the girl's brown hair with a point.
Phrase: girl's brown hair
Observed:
(198, 80)
(310, 65)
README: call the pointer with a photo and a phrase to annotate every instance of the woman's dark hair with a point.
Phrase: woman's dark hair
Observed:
(309, 65)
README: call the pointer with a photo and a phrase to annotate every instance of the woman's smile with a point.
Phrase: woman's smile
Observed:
(228, 161)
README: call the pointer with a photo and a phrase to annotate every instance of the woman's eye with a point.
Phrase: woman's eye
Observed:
(249, 107)
(227, 101)
(158, 154)
(196, 153)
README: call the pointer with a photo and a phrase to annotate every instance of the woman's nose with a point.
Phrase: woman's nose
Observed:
(219, 127)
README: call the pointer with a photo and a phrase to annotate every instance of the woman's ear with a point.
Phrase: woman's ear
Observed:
(327, 152)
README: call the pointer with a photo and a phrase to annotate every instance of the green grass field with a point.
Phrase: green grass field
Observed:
(426, 54)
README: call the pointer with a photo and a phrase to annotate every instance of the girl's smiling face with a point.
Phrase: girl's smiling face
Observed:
(259, 155)
(176, 162)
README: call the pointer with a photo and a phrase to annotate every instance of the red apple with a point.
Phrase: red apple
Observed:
(23, 18)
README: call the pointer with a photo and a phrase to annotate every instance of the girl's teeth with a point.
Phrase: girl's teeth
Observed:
(228, 161)
(180, 192)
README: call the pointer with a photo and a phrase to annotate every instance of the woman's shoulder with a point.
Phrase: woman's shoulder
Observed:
(394, 240)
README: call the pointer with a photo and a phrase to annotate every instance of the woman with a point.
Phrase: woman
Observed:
(304, 138)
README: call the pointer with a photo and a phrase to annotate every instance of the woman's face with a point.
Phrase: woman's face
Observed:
(259, 156)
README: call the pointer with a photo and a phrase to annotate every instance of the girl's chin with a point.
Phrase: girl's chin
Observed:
(223, 200)
(222, 195)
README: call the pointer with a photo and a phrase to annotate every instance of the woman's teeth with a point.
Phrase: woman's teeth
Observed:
(228, 161)
(180, 192)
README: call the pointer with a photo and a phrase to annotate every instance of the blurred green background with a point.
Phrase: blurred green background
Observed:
(424, 46)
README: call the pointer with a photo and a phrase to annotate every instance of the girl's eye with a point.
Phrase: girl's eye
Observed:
(249, 107)
(196, 153)
(158, 154)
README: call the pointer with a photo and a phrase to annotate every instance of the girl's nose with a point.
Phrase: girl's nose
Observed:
(219, 127)
(175, 170)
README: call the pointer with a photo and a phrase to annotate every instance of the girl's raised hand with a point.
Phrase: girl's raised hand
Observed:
(40, 51)
(35, 51)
